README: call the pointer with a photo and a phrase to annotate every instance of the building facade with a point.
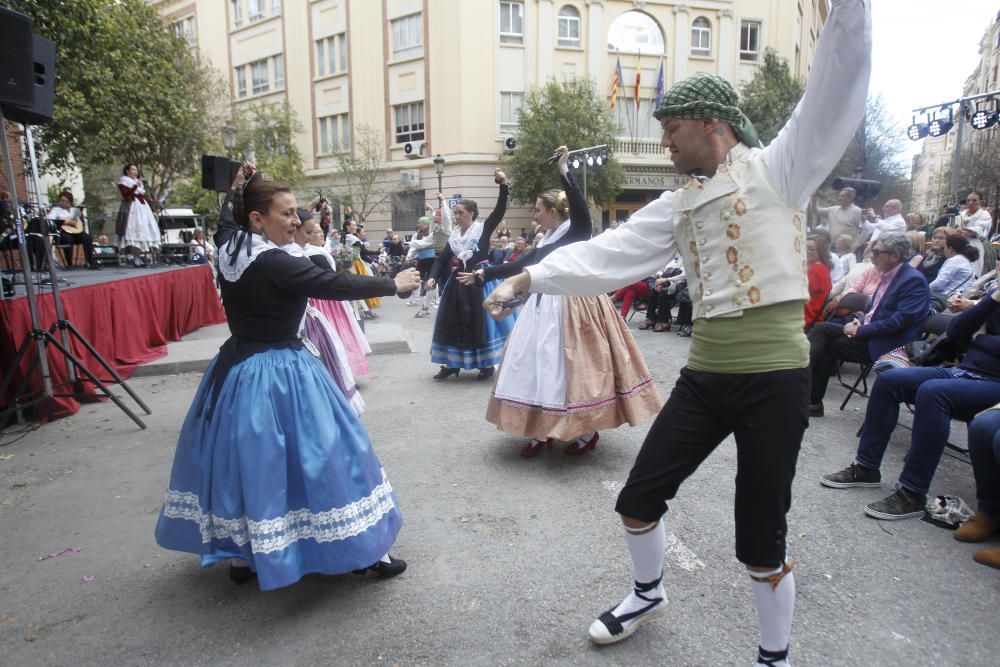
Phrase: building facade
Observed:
(446, 77)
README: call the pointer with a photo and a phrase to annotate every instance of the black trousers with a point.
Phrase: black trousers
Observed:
(767, 412)
(84, 239)
(827, 346)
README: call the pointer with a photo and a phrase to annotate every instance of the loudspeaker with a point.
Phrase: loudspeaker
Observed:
(15, 59)
(217, 173)
(864, 189)
(44, 80)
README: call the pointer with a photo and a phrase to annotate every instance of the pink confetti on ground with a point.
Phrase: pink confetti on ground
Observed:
(70, 550)
(88, 578)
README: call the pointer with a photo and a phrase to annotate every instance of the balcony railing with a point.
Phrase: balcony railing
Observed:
(626, 146)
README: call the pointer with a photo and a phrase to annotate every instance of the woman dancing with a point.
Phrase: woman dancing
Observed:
(252, 481)
(464, 336)
(571, 367)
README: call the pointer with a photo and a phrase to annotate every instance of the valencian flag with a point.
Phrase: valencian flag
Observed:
(616, 82)
(638, 56)
(659, 87)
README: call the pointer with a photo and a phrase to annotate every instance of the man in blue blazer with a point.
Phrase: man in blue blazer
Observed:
(899, 306)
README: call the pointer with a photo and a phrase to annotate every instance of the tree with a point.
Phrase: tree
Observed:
(570, 113)
(876, 153)
(361, 183)
(126, 90)
(769, 98)
(981, 167)
(267, 132)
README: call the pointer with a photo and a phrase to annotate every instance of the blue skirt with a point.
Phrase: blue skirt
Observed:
(280, 473)
(465, 336)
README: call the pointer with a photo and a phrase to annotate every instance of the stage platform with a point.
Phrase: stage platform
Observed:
(128, 315)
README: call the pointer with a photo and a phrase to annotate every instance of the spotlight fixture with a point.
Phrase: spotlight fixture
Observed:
(941, 126)
(600, 160)
(984, 118)
(576, 163)
(917, 131)
(590, 160)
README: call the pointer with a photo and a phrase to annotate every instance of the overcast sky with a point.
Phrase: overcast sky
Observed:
(923, 51)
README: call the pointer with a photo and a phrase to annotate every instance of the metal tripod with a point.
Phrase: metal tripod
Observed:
(40, 338)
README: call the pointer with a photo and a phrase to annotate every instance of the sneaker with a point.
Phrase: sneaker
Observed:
(423, 313)
(413, 302)
(853, 475)
(902, 504)
(685, 331)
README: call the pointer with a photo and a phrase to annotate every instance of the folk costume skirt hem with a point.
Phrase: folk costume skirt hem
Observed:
(465, 336)
(280, 473)
(599, 380)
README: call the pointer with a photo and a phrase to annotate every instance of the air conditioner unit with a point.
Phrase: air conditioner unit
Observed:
(410, 176)
(414, 149)
(509, 144)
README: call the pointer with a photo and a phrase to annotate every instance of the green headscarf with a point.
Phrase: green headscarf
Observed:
(707, 96)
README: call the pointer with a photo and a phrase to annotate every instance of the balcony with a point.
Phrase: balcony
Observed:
(631, 150)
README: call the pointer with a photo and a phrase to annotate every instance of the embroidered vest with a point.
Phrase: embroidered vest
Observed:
(743, 246)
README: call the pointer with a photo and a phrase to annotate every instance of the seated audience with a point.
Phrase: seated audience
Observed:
(863, 279)
(938, 395)
(933, 258)
(843, 254)
(956, 272)
(662, 297)
(498, 255)
(628, 294)
(984, 450)
(900, 304)
(203, 246)
(917, 243)
(818, 272)
(520, 247)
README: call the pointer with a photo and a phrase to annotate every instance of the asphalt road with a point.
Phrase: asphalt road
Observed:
(510, 559)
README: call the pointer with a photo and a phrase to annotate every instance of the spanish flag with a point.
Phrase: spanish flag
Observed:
(616, 82)
(638, 57)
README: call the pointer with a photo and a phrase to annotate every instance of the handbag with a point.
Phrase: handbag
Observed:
(940, 351)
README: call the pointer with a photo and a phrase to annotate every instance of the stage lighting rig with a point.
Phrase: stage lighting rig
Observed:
(917, 131)
(940, 125)
(984, 117)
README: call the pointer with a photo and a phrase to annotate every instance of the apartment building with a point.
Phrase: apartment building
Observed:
(446, 77)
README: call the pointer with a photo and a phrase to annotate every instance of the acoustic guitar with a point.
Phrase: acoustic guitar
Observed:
(72, 226)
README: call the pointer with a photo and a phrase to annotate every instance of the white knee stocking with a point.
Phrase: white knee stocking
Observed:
(775, 600)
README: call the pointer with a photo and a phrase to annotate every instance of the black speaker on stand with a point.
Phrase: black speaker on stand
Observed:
(217, 173)
(27, 77)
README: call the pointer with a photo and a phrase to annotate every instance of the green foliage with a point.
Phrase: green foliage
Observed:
(267, 132)
(571, 113)
(876, 153)
(360, 182)
(189, 194)
(127, 90)
(769, 98)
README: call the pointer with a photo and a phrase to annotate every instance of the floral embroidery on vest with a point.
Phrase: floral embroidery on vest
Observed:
(797, 221)
(740, 207)
(798, 244)
(746, 273)
(754, 295)
(733, 255)
(733, 231)
(694, 247)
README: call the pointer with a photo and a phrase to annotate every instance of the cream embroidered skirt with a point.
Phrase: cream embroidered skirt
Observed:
(570, 367)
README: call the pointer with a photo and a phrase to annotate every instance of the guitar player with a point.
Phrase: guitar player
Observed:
(71, 229)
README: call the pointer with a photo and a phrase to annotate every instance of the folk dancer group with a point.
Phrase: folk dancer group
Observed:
(739, 228)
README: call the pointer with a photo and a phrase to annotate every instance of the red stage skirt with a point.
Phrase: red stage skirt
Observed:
(129, 322)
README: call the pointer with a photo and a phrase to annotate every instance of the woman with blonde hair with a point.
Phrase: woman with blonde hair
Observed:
(571, 367)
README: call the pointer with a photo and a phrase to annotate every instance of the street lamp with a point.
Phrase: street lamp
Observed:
(439, 169)
(229, 139)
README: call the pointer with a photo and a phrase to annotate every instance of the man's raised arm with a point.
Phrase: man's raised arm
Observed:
(833, 106)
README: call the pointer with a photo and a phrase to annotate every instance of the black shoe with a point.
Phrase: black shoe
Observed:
(445, 372)
(851, 476)
(385, 570)
(684, 331)
(902, 504)
(485, 373)
(241, 575)
(816, 409)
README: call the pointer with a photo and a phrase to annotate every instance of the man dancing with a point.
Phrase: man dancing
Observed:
(739, 226)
